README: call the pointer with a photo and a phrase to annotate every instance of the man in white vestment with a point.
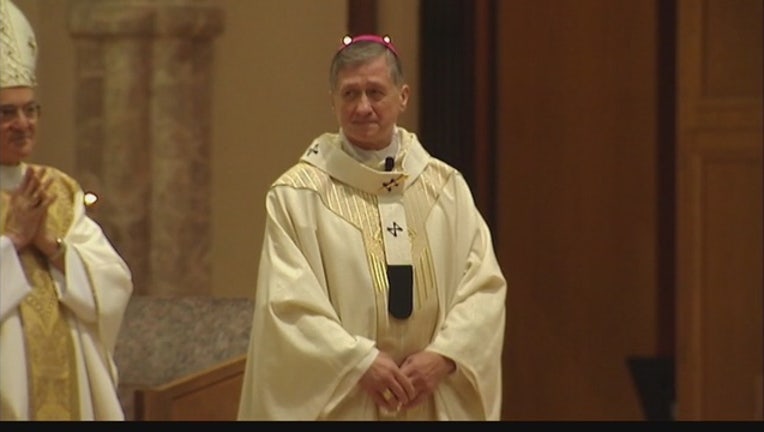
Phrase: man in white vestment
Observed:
(379, 296)
(63, 287)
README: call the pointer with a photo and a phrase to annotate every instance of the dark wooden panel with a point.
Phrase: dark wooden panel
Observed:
(484, 96)
(362, 16)
(732, 44)
(577, 202)
(447, 82)
(720, 297)
(209, 395)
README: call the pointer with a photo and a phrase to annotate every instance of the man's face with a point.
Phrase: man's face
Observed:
(367, 104)
(19, 113)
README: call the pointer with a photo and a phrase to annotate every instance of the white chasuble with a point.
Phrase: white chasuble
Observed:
(58, 331)
(334, 229)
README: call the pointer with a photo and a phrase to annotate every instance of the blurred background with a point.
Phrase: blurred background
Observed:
(614, 146)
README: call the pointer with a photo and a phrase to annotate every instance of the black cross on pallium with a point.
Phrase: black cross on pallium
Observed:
(395, 229)
(390, 184)
(313, 150)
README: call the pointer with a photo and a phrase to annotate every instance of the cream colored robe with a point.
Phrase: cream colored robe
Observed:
(94, 294)
(321, 301)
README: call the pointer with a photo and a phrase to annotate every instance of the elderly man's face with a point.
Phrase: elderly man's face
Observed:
(19, 113)
(367, 104)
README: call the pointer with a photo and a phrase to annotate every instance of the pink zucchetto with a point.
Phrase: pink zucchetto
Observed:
(382, 40)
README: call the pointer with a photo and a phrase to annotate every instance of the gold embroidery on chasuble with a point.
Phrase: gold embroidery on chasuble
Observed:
(361, 210)
(419, 201)
(51, 368)
(358, 208)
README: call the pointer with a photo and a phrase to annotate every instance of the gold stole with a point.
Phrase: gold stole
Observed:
(50, 356)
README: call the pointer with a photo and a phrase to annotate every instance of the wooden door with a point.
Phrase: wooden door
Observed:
(720, 332)
(577, 203)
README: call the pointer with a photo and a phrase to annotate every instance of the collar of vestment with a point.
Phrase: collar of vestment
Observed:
(326, 153)
(372, 158)
(10, 175)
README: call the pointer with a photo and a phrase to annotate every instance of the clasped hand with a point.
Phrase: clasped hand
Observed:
(396, 388)
(28, 209)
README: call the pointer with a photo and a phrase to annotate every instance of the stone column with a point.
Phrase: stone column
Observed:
(143, 133)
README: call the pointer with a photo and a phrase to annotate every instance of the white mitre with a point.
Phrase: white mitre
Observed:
(18, 48)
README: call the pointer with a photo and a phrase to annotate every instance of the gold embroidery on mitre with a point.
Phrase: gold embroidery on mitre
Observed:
(18, 48)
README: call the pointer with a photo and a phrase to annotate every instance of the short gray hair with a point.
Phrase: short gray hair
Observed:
(361, 52)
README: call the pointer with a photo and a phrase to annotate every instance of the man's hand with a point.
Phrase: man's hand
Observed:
(425, 369)
(27, 209)
(387, 384)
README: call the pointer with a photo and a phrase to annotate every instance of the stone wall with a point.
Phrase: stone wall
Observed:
(166, 338)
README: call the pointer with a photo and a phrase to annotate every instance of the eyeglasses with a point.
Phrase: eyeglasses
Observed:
(10, 113)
